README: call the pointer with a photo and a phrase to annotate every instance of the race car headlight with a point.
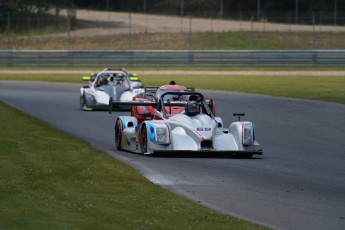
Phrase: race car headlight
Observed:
(162, 136)
(247, 134)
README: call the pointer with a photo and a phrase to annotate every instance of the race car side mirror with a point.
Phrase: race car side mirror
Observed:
(86, 78)
(239, 115)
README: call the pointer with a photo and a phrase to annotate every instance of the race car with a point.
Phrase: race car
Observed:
(194, 130)
(153, 93)
(114, 83)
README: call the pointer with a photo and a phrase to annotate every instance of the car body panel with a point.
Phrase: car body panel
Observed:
(200, 133)
(153, 93)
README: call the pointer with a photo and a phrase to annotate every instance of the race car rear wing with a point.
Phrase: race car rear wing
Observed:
(160, 104)
(113, 104)
(153, 89)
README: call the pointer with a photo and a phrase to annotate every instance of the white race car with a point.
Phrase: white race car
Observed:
(194, 130)
(109, 83)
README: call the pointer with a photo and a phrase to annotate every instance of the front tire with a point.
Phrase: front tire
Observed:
(144, 139)
(82, 102)
(118, 134)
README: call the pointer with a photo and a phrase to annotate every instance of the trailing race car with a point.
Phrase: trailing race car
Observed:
(194, 130)
(114, 83)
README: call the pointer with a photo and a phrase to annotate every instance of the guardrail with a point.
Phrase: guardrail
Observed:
(173, 58)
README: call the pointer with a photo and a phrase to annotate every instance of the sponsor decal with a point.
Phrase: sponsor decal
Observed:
(152, 132)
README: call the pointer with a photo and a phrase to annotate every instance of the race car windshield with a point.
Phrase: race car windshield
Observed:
(172, 97)
(121, 81)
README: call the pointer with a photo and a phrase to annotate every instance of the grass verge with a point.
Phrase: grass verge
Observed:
(85, 70)
(247, 40)
(50, 180)
(323, 88)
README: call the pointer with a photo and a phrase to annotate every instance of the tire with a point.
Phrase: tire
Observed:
(118, 134)
(144, 139)
(82, 102)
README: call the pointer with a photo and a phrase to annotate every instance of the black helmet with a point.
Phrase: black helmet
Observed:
(192, 108)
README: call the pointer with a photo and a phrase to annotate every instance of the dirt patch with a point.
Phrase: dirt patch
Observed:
(103, 23)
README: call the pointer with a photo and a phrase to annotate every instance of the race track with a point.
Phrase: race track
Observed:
(299, 182)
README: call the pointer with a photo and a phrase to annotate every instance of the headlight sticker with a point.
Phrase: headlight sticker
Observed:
(124, 122)
(152, 131)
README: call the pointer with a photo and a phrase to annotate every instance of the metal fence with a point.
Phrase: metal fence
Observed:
(91, 30)
(173, 58)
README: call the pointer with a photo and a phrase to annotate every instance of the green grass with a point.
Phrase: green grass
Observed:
(240, 40)
(323, 88)
(262, 40)
(139, 68)
(50, 180)
(268, 40)
(70, 78)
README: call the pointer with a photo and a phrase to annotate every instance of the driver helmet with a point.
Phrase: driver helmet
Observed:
(192, 108)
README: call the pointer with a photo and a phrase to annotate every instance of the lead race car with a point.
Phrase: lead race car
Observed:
(109, 83)
(194, 130)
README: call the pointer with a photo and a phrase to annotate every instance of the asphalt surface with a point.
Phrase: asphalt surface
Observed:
(299, 182)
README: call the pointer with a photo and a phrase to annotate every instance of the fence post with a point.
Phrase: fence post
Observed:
(190, 33)
(320, 21)
(296, 12)
(335, 13)
(8, 31)
(181, 15)
(251, 29)
(240, 20)
(221, 10)
(38, 22)
(313, 30)
(129, 31)
(146, 23)
(68, 31)
(29, 23)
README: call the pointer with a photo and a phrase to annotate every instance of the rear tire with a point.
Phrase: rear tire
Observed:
(144, 139)
(118, 134)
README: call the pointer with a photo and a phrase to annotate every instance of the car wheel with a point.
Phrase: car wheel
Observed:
(82, 102)
(118, 134)
(144, 139)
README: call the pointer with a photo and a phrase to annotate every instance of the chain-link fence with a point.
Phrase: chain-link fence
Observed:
(102, 30)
